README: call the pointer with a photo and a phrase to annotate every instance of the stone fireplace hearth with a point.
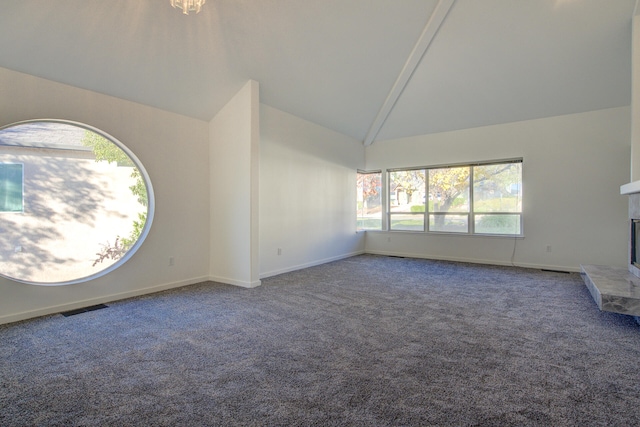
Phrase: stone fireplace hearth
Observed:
(614, 289)
(617, 289)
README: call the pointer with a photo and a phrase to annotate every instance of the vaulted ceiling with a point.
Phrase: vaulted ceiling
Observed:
(371, 69)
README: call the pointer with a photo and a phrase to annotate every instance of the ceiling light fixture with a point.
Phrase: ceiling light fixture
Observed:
(188, 5)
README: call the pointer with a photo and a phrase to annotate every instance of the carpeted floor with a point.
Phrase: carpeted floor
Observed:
(366, 341)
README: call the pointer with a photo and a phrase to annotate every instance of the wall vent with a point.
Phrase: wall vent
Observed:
(83, 310)
(555, 271)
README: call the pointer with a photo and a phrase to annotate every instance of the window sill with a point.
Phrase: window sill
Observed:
(438, 233)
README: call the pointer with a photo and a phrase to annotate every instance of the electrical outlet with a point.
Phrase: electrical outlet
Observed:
(548, 248)
(279, 251)
(171, 261)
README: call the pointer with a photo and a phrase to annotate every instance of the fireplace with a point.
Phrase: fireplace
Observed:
(616, 288)
(635, 242)
(634, 234)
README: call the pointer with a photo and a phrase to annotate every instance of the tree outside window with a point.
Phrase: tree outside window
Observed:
(369, 200)
(476, 199)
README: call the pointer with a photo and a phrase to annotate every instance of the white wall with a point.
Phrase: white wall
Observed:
(573, 168)
(174, 151)
(307, 193)
(635, 96)
(235, 138)
(228, 193)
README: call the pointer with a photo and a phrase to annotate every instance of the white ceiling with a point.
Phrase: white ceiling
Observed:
(334, 62)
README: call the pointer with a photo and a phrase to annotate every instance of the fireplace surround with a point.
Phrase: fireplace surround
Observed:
(617, 289)
(634, 232)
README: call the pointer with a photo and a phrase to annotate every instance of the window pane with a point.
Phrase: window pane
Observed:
(87, 202)
(10, 187)
(407, 190)
(449, 190)
(497, 224)
(369, 207)
(407, 222)
(497, 188)
(450, 223)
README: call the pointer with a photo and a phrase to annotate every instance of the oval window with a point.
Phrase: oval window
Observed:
(75, 203)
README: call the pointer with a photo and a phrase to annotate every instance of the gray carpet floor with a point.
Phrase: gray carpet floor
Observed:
(365, 341)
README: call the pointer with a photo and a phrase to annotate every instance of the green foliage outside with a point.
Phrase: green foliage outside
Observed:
(105, 150)
(498, 224)
(485, 224)
(369, 223)
(408, 225)
(505, 204)
(449, 188)
(137, 230)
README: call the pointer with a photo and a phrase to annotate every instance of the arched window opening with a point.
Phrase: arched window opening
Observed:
(75, 203)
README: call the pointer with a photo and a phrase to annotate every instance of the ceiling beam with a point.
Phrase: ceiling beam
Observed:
(423, 43)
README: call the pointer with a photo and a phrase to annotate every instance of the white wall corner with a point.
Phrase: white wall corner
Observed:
(255, 182)
(234, 142)
(233, 282)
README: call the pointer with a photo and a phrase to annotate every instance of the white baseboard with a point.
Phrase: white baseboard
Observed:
(234, 282)
(309, 264)
(479, 261)
(98, 300)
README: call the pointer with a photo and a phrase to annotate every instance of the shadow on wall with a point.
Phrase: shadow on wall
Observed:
(72, 206)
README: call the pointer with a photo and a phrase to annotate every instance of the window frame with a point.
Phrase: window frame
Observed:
(406, 213)
(21, 188)
(470, 214)
(150, 204)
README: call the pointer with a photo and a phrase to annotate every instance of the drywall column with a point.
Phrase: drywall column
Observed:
(635, 97)
(234, 138)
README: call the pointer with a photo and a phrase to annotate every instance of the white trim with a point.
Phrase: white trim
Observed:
(630, 188)
(447, 233)
(478, 261)
(461, 164)
(470, 214)
(22, 182)
(241, 283)
(55, 309)
(310, 264)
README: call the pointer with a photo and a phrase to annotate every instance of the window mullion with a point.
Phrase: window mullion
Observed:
(384, 184)
(425, 214)
(471, 218)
